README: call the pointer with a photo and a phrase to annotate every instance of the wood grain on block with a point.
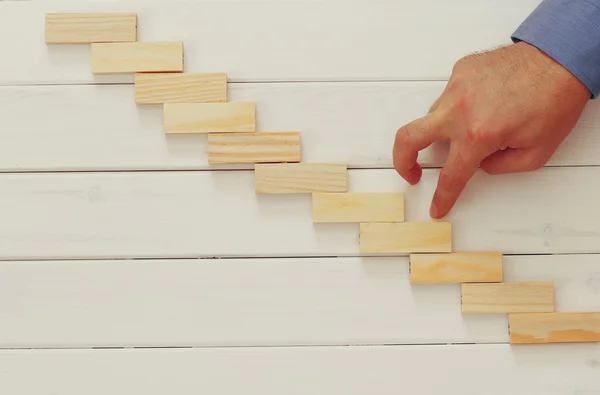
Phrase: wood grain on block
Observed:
(405, 237)
(114, 58)
(300, 178)
(234, 117)
(87, 28)
(156, 88)
(501, 298)
(457, 267)
(243, 148)
(358, 207)
(570, 327)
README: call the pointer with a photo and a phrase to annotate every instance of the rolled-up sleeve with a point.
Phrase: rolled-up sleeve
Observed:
(569, 32)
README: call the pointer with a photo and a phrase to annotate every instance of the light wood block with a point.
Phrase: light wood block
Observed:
(505, 298)
(457, 267)
(233, 117)
(569, 327)
(406, 237)
(157, 88)
(300, 178)
(358, 207)
(243, 148)
(114, 58)
(87, 28)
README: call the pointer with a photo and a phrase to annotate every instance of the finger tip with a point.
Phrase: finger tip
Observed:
(435, 216)
(414, 175)
(434, 211)
(411, 178)
(437, 212)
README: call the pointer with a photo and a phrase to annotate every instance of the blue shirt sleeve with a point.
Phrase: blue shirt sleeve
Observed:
(569, 32)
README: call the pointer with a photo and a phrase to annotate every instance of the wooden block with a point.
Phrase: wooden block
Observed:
(300, 178)
(504, 298)
(157, 88)
(457, 267)
(406, 237)
(233, 117)
(554, 328)
(243, 148)
(87, 28)
(358, 207)
(111, 58)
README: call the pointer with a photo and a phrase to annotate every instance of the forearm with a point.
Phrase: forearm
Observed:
(569, 32)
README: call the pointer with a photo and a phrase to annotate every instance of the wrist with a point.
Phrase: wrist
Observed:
(546, 70)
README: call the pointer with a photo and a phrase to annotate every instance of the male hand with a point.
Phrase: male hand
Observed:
(506, 111)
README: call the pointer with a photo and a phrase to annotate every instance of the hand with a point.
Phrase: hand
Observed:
(506, 111)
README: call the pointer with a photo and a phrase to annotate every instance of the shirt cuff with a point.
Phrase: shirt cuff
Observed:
(569, 32)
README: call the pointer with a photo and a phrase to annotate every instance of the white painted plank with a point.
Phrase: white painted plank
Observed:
(101, 128)
(190, 214)
(387, 370)
(259, 302)
(230, 302)
(312, 40)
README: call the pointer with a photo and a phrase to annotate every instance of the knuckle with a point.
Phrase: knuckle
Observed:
(463, 63)
(454, 82)
(403, 134)
(406, 133)
(460, 63)
(476, 134)
(460, 104)
(449, 180)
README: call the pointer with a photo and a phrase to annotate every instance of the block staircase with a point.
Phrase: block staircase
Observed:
(197, 103)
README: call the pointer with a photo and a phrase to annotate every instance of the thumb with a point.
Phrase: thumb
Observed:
(514, 160)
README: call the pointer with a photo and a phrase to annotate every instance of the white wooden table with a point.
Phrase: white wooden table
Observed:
(128, 266)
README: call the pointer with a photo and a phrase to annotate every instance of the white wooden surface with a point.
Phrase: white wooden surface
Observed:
(103, 217)
(259, 302)
(418, 370)
(91, 127)
(208, 214)
(274, 40)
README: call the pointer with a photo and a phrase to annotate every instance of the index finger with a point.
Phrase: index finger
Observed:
(460, 167)
(410, 139)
